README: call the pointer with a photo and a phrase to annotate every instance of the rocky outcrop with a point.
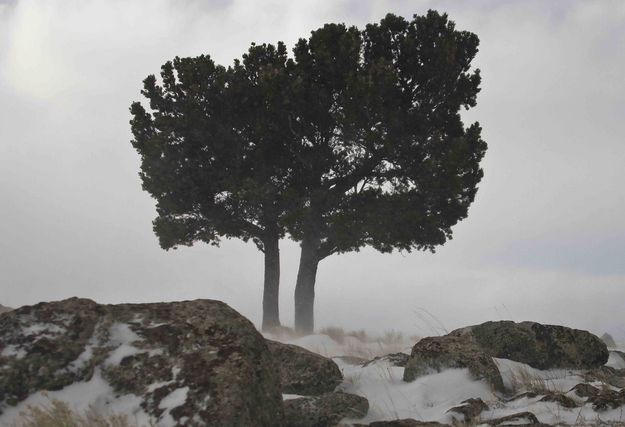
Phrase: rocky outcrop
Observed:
(192, 362)
(608, 340)
(4, 309)
(470, 409)
(520, 418)
(585, 390)
(607, 399)
(435, 354)
(394, 359)
(406, 422)
(304, 372)
(325, 410)
(561, 399)
(540, 346)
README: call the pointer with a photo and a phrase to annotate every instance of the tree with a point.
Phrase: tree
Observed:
(383, 156)
(213, 154)
(355, 141)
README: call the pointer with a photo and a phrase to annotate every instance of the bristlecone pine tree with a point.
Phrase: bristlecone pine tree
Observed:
(212, 154)
(355, 141)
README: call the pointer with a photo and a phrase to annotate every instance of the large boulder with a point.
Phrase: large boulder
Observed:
(540, 346)
(435, 354)
(187, 363)
(608, 340)
(304, 372)
(325, 410)
(4, 309)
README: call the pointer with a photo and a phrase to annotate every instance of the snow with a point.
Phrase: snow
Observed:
(13, 351)
(427, 398)
(513, 372)
(39, 328)
(616, 361)
(291, 396)
(122, 337)
(172, 400)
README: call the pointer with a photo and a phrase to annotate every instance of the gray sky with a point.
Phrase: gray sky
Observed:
(544, 240)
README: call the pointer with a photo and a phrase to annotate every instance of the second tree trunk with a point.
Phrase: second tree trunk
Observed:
(305, 287)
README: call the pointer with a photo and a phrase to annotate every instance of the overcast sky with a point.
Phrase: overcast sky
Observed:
(544, 240)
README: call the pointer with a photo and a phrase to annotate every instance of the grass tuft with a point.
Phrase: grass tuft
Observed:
(59, 414)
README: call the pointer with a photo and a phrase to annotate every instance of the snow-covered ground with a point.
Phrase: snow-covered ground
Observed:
(428, 398)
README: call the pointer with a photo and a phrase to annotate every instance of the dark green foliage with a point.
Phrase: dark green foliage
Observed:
(385, 158)
(356, 140)
(212, 148)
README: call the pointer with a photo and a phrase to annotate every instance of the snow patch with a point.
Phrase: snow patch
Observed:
(615, 361)
(291, 396)
(122, 337)
(172, 400)
(427, 398)
(38, 328)
(514, 374)
(13, 350)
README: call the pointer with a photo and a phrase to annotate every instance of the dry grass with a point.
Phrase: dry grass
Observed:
(59, 414)
(522, 380)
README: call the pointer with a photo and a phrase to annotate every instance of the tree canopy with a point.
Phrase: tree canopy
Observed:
(354, 140)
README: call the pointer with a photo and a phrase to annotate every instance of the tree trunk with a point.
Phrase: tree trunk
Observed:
(305, 287)
(271, 313)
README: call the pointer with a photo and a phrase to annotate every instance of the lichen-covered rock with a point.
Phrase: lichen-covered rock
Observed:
(607, 399)
(520, 418)
(394, 359)
(560, 399)
(540, 346)
(193, 362)
(606, 374)
(435, 354)
(585, 390)
(304, 372)
(608, 340)
(470, 409)
(325, 410)
(406, 422)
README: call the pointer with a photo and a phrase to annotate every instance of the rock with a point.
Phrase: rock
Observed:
(521, 418)
(406, 422)
(527, 394)
(4, 309)
(608, 340)
(198, 362)
(325, 410)
(394, 359)
(560, 399)
(540, 346)
(605, 374)
(435, 354)
(351, 360)
(304, 372)
(585, 390)
(607, 399)
(471, 409)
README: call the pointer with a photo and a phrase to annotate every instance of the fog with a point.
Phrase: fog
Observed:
(544, 239)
